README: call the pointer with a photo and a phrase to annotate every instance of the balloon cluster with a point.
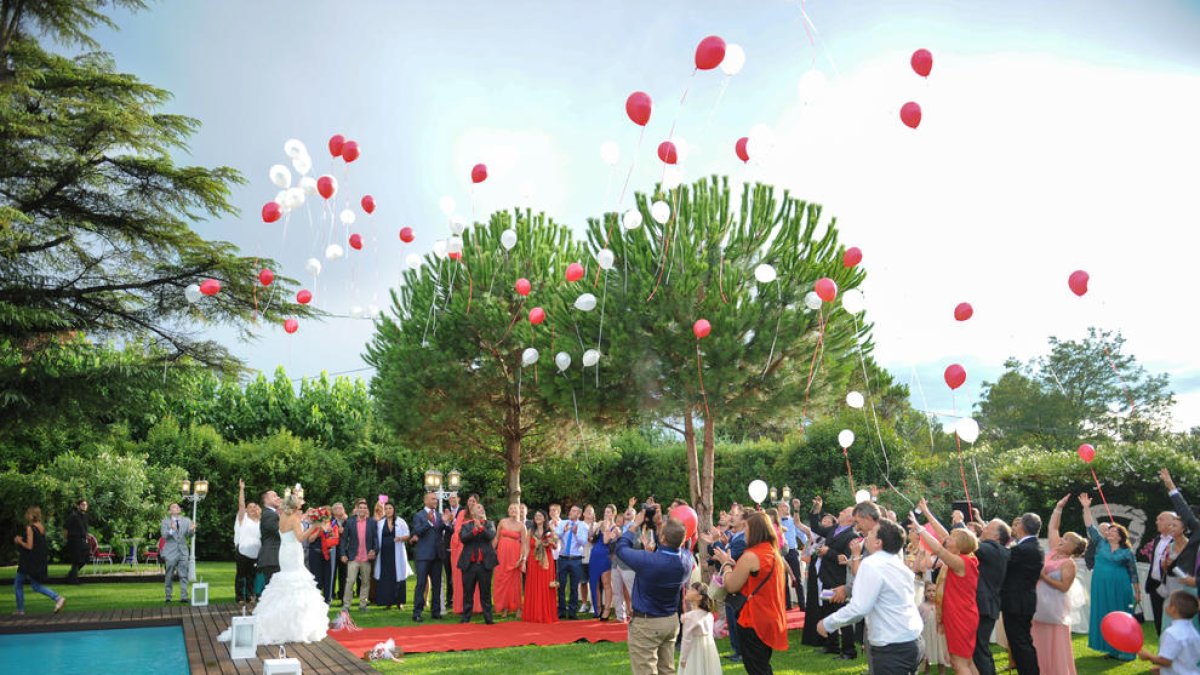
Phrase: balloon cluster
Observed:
(922, 64)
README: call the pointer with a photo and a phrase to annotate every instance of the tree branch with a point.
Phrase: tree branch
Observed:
(34, 248)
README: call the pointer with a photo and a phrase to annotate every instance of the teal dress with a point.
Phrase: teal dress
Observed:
(1113, 578)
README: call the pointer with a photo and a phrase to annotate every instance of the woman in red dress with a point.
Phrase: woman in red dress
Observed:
(960, 613)
(541, 594)
(510, 549)
(456, 549)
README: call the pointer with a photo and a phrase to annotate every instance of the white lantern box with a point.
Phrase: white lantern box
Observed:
(243, 638)
(281, 665)
(200, 594)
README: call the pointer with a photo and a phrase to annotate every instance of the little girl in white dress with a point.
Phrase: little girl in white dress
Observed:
(698, 653)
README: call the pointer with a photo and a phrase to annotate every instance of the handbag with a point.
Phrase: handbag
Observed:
(737, 601)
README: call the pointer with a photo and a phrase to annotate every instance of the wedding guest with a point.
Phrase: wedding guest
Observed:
(477, 561)
(759, 577)
(75, 532)
(445, 555)
(377, 514)
(960, 613)
(623, 575)
(573, 534)
(33, 561)
(391, 564)
(358, 548)
(268, 527)
(339, 580)
(1051, 626)
(1018, 597)
(511, 545)
(1179, 648)
(1114, 581)
(175, 529)
(541, 575)
(310, 540)
(795, 540)
(456, 548)
(427, 540)
(1180, 574)
(452, 505)
(931, 633)
(661, 575)
(698, 651)
(329, 538)
(247, 539)
(993, 557)
(525, 517)
(831, 575)
(600, 568)
(590, 520)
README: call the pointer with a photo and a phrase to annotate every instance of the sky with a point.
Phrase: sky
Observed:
(1055, 137)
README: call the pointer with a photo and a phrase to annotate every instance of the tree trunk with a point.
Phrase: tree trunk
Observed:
(704, 505)
(689, 438)
(512, 468)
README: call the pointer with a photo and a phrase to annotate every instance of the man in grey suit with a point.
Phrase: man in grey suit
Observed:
(268, 525)
(175, 529)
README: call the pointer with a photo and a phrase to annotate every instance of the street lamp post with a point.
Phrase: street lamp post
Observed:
(787, 494)
(774, 495)
(433, 483)
(194, 494)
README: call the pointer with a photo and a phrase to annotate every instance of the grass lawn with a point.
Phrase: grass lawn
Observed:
(602, 658)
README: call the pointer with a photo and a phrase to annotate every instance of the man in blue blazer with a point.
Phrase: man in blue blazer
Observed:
(357, 548)
(427, 541)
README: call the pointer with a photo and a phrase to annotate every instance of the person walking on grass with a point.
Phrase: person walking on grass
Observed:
(34, 561)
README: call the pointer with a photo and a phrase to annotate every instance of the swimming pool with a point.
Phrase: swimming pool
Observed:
(159, 649)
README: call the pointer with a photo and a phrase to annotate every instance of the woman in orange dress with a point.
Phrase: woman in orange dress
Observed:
(758, 575)
(960, 612)
(456, 549)
(541, 585)
(510, 549)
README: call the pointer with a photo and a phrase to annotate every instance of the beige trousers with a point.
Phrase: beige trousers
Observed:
(363, 571)
(652, 645)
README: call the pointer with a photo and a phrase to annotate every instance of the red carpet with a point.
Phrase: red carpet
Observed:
(456, 637)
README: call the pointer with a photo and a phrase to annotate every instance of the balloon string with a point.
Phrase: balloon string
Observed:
(600, 334)
(1101, 491)
(516, 317)
(721, 278)
(254, 289)
(621, 198)
(812, 42)
(774, 340)
(812, 364)
(887, 464)
(700, 371)
(846, 452)
(962, 472)
(575, 404)
(470, 284)
(663, 266)
(1128, 395)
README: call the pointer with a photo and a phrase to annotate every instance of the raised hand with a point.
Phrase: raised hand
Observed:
(1062, 502)
(922, 505)
(1085, 500)
(1166, 478)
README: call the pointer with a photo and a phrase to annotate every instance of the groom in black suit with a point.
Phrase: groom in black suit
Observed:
(268, 525)
(427, 533)
(1019, 593)
(477, 561)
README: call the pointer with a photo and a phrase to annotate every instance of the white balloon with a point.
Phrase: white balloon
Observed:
(855, 400)
(302, 164)
(446, 204)
(374, 311)
(672, 177)
(758, 490)
(812, 86)
(610, 153)
(812, 300)
(294, 198)
(862, 496)
(529, 357)
(764, 273)
(294, 147)
(280, 198)
(661, 212)
(853, 301)
(605, 259)
(356, 312)
(967, 429)
(334, 251)
(454, 245)
(590, 358)
(735, 58)
(192, 293)
(309, 185)
(413, 261)
(632, 219)
(585, 302)
(508, 239)
(683, 149)
(457, 226)
(439, 249)
(347, 217)
(313, 266)
(562, 360)
(846, 438)
(280, 176)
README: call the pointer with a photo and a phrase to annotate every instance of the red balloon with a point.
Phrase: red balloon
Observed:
(1078, 282)
(667, 152)
(368, 204)
(454, 255)
(740, 148)
(291, 325)
(963, 311)
(523, 287)
(335, 144)
(852, 257)
(922, 62)
(910, 114)
(326, 186)
(638, 107)
(210, 287)
(710, 52)
(1086, 452)
(356, 241)
(406, 235)
(701, 328)
(350, 151)
(826, 289)
(537, 315)
(1122, 631)
(955, 375)
(687, 516)
(271, 212)
(304, 296)
(574, 272)
(265, 277)
(478, 173)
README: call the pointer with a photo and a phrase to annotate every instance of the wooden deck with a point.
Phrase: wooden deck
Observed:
(201, 626)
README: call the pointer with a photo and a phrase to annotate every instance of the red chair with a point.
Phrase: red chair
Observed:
(155, 553)
(99, 554)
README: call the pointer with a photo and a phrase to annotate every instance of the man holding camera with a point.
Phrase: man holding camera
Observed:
(661, 575)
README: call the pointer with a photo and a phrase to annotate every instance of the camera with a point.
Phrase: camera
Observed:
(649, 510)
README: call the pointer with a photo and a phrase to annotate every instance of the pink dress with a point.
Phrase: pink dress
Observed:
(1051, 627)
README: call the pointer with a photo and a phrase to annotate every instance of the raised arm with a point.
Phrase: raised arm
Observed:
(1181, 506)
(1089, 522)
(923, 507)
(1055, 519)
(241, 501)
(951, 560)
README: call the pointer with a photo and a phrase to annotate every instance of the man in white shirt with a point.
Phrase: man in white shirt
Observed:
(883, 593)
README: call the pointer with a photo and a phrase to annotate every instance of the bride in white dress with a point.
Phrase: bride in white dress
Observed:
(291, 608)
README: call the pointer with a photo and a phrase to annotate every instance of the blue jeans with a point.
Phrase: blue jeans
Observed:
(19, 589)
(572, 570)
